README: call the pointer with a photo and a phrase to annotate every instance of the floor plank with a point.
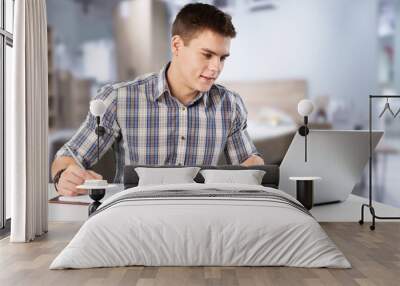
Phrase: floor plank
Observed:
(374, 255)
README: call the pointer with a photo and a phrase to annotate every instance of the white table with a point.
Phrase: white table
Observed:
(73, 208)
(347, 211)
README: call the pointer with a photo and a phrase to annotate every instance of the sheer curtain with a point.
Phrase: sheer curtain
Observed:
(27, 123)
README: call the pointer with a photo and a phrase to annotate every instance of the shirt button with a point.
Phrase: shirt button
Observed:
(179, 164)
(183, 108)
(183, 137)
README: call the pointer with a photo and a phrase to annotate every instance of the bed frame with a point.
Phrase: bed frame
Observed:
(270, 179)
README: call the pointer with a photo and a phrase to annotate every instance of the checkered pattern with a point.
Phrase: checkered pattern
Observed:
(157, 129)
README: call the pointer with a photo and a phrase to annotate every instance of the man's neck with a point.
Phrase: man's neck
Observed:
(177, 88)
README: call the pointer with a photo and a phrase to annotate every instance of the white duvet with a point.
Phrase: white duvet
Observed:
(234, 229)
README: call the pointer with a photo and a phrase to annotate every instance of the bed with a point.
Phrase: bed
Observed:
(201, 224)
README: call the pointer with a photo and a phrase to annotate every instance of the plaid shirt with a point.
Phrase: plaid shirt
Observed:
(157, 129)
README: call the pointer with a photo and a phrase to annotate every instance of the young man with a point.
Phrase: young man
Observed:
(176, 117)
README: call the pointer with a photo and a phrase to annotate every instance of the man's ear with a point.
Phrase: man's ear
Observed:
(176, 44)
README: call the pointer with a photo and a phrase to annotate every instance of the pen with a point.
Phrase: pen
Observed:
(73, 156)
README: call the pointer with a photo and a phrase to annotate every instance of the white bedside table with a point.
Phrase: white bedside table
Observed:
(72, 208)
(305, 190)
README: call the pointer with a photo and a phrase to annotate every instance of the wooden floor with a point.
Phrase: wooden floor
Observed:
(374, 255)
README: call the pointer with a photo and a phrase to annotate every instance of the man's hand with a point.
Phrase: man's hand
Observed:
(72, 177)
(253, 160)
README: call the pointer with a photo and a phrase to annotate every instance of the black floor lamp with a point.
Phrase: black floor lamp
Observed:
(387, 108)
(97, 108)
(305, 107)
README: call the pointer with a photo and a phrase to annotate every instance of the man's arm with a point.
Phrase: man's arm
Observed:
(62, 162)
(253, 160)
(82, 145)
(72, 176)
(239, 148)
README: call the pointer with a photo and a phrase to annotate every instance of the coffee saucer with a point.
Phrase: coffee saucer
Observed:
(91, 187)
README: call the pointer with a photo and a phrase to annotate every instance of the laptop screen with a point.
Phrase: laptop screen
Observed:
(338, 157)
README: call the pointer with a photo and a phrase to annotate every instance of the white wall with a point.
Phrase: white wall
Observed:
(397, 48)
(331, 43)
(73, 27)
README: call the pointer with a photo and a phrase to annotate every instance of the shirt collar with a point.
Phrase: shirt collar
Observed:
(163, 88)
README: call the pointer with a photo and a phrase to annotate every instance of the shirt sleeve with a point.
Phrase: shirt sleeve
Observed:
(239, 145)
(84, 142)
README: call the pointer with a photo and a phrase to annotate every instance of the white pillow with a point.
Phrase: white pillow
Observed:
(248, 177)
(163, 176)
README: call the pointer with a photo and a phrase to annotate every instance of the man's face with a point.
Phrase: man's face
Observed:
(202, 59)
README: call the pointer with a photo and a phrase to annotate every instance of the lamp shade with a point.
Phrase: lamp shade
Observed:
(305, 107)
(97, 107)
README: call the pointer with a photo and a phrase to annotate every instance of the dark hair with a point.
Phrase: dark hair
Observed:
(196, 17)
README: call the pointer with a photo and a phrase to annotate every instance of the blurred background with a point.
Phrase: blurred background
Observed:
(334, 52)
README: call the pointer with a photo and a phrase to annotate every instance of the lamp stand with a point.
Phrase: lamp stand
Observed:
(100, 130)
(303, 131)
(97, 194)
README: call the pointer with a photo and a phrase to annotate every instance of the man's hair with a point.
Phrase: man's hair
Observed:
(197, 17)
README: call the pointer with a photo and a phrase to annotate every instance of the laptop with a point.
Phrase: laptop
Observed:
(338, 157)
